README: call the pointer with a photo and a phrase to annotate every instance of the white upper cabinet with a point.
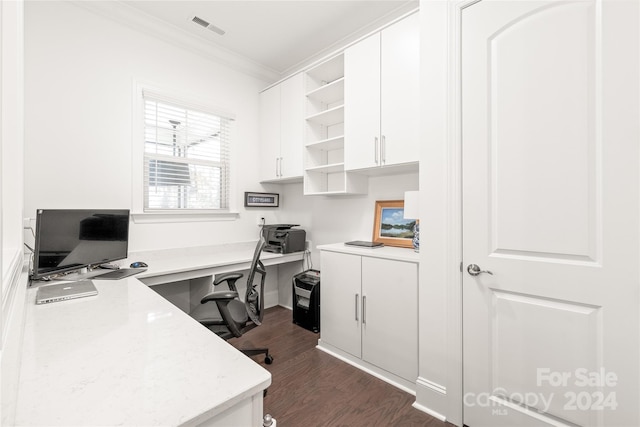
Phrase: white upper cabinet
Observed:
(381, 97)
(282, 130)
(400, 87)
(292, 128)
(362, 104)
(269, 133)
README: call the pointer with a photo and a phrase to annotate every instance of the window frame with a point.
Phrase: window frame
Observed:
(138, 213)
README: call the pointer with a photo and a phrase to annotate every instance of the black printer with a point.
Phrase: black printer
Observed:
(282, 239)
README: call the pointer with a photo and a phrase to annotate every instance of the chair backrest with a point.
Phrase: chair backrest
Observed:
(254, 298)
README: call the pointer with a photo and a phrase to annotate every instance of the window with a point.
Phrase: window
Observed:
(186, 156)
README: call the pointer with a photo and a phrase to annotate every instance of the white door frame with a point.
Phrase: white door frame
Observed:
(441, 185)
(441, 207)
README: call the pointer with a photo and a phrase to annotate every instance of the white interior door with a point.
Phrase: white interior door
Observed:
(550, 207)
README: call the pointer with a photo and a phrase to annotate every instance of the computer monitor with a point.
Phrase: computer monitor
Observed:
(72, 239)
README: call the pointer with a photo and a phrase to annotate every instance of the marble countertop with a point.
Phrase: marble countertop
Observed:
(126, 357)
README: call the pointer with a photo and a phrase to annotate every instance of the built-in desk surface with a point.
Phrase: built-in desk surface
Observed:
(171, 265)
(129, 357)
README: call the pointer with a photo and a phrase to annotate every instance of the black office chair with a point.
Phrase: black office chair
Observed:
(227, 316)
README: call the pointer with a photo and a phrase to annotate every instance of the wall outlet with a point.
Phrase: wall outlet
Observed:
(260, 220)
(26, 222)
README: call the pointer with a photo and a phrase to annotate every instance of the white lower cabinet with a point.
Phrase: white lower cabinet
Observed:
(369, 313)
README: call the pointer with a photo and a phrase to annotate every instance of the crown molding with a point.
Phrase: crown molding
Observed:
(140, 21)
(402, 11)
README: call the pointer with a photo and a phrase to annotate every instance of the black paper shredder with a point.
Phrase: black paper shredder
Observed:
(306, 300)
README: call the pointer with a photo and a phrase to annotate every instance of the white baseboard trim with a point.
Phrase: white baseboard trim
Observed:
(12, 277)
(431, 385)
(431, 398)
(426, 410)
(13, 337)
(387, 377)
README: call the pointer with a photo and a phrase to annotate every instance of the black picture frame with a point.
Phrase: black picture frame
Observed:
(261, 200)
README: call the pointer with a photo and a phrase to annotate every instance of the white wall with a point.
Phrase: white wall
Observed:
(12, 295)
(339, 219)
(80, 70)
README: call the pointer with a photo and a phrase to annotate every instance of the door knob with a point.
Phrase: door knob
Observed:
(474, 270)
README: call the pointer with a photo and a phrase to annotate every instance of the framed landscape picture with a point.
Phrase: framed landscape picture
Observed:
(390, 226)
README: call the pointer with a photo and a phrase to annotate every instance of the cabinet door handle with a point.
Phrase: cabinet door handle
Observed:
(376, 151)
(357, 298)
(383, 150)
(277, 160)
(364, 309)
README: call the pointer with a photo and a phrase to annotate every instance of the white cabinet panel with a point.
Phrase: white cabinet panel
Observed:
(269, 132)
(390, 316)
(362, 104)
(400, 107)
(292, 126)
(282, 130)
(382, 97)
(340, 301)
(369, 310)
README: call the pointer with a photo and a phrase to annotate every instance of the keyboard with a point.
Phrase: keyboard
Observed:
(119, 274)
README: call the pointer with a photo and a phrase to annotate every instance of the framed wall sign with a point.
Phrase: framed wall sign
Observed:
(261, 200)
(390, 226)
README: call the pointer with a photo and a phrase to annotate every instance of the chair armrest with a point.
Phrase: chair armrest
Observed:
(219, 296)
(226, 276)
(230, 278)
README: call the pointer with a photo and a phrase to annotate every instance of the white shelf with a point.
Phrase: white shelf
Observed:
(328, 144)
(328, 117)
(332, 168)
(329, 93)
(324, 173)
(329, 70)
(329, 193)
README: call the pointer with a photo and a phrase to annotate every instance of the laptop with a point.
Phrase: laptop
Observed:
(364, 244)
(65, 291)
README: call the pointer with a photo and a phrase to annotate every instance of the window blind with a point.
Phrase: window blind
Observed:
(186, 156)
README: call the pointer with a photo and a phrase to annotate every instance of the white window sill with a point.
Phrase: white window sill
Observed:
(166, 217)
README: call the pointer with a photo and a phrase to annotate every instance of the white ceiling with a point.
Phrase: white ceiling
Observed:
(278, 35)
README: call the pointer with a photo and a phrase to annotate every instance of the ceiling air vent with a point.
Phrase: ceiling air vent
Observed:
(207, 25)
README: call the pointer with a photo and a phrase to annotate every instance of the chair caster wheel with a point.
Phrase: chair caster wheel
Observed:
(268, 360)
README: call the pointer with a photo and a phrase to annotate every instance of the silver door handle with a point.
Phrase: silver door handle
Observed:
(280, 170)
(364, 309)
(383, 150)
(357, 298)
(474, 270)
(376, 151)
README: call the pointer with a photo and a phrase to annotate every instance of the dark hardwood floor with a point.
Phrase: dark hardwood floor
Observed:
(312, 388)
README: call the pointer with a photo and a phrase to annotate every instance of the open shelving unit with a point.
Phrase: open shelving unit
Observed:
(324, 172)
